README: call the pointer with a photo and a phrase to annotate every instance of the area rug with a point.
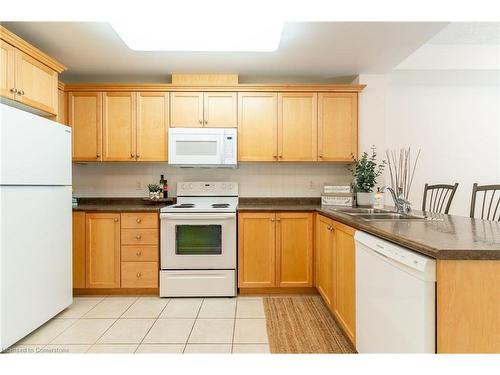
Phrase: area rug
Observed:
(303, 324)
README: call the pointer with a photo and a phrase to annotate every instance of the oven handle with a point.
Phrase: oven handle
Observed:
(198, 216)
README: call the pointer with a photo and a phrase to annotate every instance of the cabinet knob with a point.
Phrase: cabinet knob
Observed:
(132, 156)
(115, 220)
(275, 156)
(278, 219)
(281, 156)
(21, 92)
(206, 121)
(320, 156)
(138, 237)
(138, 220)
(13, 90)
(201, 122)
(272, 219)
(330, 228)
(98, 156)
(138, 156)
(139, 275)
(138, 253)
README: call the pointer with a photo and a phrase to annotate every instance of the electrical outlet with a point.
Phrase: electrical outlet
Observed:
(138, 185)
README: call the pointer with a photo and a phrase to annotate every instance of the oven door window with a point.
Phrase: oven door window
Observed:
(198, 239)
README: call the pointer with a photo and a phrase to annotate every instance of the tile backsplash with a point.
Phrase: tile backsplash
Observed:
(255, 180)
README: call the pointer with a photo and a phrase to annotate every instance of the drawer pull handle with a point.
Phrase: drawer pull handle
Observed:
(138, 220)
(138, 237)
(138, 253)
(139, 275)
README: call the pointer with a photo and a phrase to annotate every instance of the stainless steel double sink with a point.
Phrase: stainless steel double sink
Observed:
(371, 214)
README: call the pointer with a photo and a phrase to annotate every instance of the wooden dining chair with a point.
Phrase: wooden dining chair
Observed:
(490, 206)
(440, 197)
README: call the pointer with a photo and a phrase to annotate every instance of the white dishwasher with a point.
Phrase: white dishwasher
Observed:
(395, 298)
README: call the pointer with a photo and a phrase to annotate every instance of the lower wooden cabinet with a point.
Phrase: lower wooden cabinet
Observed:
(102, 250)
(335, 271)
(115, 250)
(275, 249)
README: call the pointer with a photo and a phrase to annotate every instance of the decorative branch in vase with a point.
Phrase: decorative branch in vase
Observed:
(402, 171)
(366, 170)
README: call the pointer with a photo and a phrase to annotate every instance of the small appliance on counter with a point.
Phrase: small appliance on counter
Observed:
(340, 195)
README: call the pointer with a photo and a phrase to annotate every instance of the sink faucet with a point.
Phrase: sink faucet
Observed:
(403, 206)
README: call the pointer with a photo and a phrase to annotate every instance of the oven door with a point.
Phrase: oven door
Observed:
(198, 241)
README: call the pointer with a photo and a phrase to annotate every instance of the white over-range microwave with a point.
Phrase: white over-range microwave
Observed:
(202, 147)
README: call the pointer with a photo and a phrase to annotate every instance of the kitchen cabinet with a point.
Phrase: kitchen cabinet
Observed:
(203, 109)
(102, 250)
(275, 249)
(152, 126)
(7, 62)
(257, 126)
(344, 279)
(62, 110)
(256, 249)
(78, 249)
(337, 126)
(294, 249)
(85, 118)
(139, 274)
(27, 75)
(297, 126)
(119, 124)
(324, 259)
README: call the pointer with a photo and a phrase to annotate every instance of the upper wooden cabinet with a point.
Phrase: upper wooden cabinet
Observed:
(152, 126)
(28, 76)
(102, 246)
(85, 117)
(119, 123)
(257, 126)
(337, 126)
(203, 109)
(294, 249)
(7, 63)
(62, 107)
(297, 126)
(275, 249)
(119, 126)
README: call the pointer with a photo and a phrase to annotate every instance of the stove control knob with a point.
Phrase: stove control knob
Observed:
(191, 186)
(183, 186)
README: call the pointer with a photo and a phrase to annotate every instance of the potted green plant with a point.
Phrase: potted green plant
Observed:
(365, 171)
(154, 191)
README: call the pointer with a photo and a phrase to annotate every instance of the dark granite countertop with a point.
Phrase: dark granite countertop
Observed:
(118, 204)
(452, 237)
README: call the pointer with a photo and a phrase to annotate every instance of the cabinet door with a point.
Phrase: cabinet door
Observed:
(294, 249)
(297, 126)
(219, 110)
(324, 259)
(78, 249)
(337, 126)
(257, 126)
(85, 117)
(118, 134)
(345, 279)
(102, 250)
(62, 115)
(7, 63)
(152, 126)
(186, 109)
(256, 249)
(36, 83)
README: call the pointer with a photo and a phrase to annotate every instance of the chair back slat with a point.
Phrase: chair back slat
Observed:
(440, 197)
(489, 203)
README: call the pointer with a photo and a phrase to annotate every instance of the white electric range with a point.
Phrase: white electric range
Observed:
(198, 241)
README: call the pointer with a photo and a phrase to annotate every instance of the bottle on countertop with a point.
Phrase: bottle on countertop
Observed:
(379, 200)
(165, 189)
(162, 182)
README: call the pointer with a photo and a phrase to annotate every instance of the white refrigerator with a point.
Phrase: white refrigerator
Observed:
(35, 222)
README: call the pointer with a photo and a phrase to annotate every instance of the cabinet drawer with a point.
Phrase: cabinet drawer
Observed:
(139, 236)
(139, 274)
(132, 220)
(139, 253)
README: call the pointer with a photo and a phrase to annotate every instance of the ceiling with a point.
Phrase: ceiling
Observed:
(308, 52)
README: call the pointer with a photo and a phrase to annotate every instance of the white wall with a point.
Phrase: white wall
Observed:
(452, 116)
(256, 180)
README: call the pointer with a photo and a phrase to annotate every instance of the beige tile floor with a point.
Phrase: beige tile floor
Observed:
(153, 325)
